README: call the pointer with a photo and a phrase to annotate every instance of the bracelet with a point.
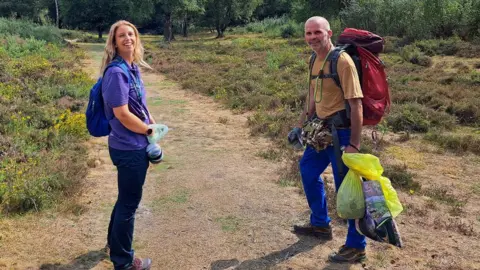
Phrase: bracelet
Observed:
(354, 147)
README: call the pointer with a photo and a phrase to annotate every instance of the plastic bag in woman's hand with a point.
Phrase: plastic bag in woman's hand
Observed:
(350, 201)
(159, 131)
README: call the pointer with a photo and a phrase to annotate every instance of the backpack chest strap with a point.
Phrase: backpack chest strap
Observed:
(323, 76)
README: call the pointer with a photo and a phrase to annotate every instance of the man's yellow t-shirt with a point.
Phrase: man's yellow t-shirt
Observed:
(330, 99)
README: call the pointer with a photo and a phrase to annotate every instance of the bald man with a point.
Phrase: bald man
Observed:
(326, 101)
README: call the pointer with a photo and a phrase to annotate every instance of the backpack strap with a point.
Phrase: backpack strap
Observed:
(335, 55)
(321, 75)
(119, 62)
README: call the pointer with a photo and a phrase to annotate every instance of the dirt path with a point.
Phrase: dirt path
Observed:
(213, 204)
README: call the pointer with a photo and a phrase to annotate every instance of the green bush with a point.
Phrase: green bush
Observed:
(414, 55)
(456, 143)
(467, 111)
(288, 31)
(26, 29)
(43, 155)
(414, 20)
(276, 27)
(266, 25)
(392, 44)
(17, 47)
(92, 39)
(433, 47)
(418, 118)
(73, 34)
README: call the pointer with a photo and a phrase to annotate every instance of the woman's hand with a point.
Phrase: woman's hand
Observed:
(158, 131)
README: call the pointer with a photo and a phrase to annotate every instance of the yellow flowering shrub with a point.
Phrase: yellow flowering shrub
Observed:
(71, 124)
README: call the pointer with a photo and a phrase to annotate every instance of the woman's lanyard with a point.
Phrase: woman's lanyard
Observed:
(134, 79)
(320, 75)
(136, 85)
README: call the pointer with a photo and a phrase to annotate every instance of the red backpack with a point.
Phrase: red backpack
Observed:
(364, 48)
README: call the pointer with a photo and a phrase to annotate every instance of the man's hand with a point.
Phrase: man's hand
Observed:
(295, 138)
(351, 149)
(294, 134)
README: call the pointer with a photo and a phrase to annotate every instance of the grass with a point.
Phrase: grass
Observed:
(222, 120)
(93, 47)
(180, 111)
(283, 182)
(381, 258)
(433, 93)
(270, 154)
(175, 199)
(97, 52)
(476, 188)
(42, 94)
(163, 166)
(157, 101)
(401, 177)
(267, 76)
(458, 143)
(229, 223)
(442, 195)
(411, 157)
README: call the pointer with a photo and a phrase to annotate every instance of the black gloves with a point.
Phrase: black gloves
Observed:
(295, 138)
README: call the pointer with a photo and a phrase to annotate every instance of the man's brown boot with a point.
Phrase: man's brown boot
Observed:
(348, 255)
(324, 233)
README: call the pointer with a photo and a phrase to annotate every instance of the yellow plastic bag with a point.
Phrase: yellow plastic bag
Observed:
(366, 165)
(391, 196)
(369, 167)
(350, 201)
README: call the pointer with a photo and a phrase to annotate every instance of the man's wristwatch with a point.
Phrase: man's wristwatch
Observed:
(149, 132)
(354, 147)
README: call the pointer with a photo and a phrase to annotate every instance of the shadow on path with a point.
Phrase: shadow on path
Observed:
(305, 243)
(84, 261)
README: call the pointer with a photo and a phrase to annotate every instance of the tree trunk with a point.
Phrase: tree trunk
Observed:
(56, 17)
(167, 27)
(185, 26)
(100, 33)
(220, 31)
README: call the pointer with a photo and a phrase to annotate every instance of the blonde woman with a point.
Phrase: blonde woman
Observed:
(125, 107)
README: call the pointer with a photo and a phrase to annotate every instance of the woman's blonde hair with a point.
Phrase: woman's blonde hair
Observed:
(110, 51)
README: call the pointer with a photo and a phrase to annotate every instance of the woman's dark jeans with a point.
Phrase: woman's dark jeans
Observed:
(132, 169)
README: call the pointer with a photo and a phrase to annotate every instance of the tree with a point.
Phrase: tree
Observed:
(183, 10)
(56, 14)
(273, 8)
(221, 13)
(100, 14)
(304, 9)
(190, 10)
(25, 9)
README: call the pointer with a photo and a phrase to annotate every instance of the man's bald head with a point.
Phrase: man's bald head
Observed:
(318, 34)
(320, 21)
